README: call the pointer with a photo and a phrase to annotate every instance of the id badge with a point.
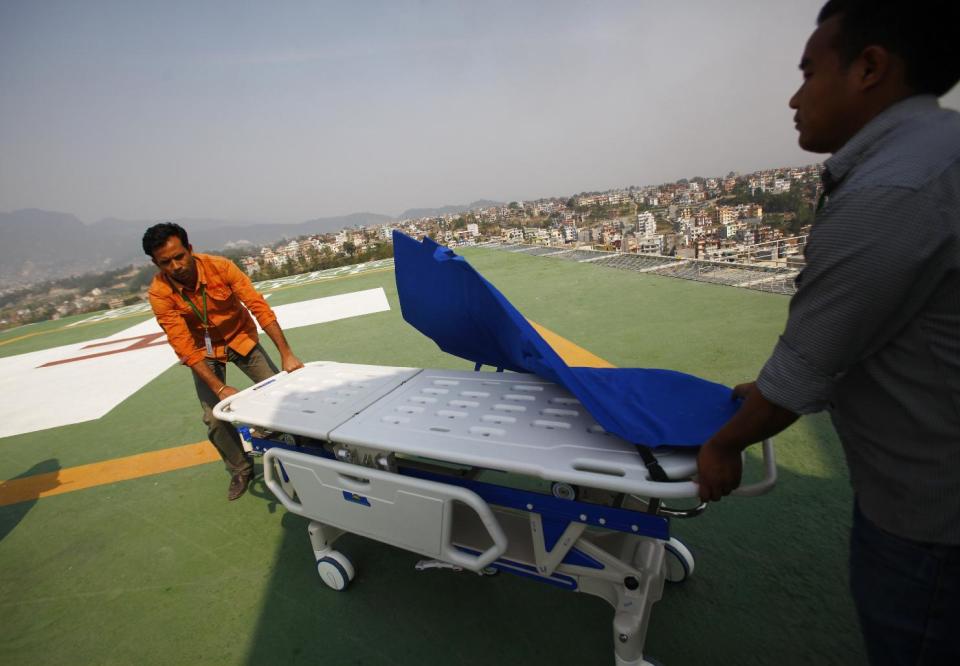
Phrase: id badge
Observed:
(206, 340)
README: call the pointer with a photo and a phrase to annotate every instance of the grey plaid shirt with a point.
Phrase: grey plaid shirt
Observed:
(874, 328)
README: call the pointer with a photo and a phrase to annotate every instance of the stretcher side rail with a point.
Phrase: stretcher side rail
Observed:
(652, 503)
(340, 495)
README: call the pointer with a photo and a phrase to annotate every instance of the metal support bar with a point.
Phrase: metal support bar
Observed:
(548, 561)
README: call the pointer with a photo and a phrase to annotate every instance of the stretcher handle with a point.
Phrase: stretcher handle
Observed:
(452, 554)
(275, 487)
(769, 479)
(222, 409)
(686, 489)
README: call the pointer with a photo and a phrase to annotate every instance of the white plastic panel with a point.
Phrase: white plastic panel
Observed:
(511, 422)
(404, 511)
(313, 400)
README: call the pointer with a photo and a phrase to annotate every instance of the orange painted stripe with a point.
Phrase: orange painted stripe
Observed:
(109, 471)
(571, 353)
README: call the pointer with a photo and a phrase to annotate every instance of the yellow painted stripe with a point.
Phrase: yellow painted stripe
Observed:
(571, 353)
(109, 471)
(24, 337)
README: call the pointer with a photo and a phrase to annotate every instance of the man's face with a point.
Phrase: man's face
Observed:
(176, 261)
(826, 102)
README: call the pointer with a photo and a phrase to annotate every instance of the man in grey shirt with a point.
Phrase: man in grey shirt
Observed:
(873, 334)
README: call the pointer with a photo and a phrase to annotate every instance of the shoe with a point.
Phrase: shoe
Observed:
(238, 484)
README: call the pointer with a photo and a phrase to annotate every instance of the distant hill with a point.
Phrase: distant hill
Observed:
(38, 245)
(415, 213)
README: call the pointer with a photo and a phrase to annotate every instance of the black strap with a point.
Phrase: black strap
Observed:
(653, 465)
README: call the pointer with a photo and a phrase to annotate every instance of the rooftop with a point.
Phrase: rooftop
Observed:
(162, 569)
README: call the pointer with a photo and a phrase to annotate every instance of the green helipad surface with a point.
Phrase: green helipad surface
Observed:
(164, 570)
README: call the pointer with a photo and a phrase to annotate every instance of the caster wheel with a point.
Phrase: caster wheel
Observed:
(678, 561)
(564, 491)
(335, 570)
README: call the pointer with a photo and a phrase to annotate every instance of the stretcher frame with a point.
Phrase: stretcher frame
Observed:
(428, 461)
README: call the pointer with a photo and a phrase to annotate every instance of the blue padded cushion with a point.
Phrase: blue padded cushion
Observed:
(446, 299)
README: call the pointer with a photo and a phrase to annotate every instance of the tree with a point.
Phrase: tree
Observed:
(803, 217)
(311, 259)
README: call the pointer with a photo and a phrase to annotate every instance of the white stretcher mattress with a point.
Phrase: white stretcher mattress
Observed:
(511, 422)
(314, 400)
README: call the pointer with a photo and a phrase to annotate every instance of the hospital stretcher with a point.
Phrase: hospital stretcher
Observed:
(441, 463)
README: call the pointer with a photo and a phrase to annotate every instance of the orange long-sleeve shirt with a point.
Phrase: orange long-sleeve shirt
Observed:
(228, 291)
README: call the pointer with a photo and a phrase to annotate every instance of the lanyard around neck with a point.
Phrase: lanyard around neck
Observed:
(201, 317)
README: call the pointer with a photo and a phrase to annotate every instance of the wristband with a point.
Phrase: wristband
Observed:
(221, 390)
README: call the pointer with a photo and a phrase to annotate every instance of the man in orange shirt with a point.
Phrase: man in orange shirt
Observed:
(199, 300)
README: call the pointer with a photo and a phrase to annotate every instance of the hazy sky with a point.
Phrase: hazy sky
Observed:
(285, 111)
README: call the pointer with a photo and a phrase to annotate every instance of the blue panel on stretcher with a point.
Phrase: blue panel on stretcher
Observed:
(446, 299)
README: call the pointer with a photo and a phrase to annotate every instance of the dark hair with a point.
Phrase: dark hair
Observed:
(925, 34)
(156, 236)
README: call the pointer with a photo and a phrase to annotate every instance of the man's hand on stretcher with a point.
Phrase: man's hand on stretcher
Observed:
(719, 463)
(289, 362)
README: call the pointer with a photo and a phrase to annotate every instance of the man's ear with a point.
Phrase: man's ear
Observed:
(874, 64)
(154, 261)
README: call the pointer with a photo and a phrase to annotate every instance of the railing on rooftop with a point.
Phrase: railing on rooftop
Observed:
(779, 252)
(761, 275)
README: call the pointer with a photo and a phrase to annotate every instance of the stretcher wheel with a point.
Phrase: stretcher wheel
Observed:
(336, 570)
(564, 491)
(678, 561)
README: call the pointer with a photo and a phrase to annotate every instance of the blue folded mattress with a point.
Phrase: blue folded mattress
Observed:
(446, 299)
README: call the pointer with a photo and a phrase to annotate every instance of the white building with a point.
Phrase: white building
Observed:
(651, 244)
(646, 224)
(512, 235)
(536, 235)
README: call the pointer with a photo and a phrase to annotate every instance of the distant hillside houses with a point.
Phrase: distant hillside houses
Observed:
(668, 218)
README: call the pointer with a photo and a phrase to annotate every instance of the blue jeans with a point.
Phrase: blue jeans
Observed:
(907, 596)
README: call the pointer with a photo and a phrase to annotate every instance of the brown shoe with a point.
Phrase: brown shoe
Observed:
(238, 484)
